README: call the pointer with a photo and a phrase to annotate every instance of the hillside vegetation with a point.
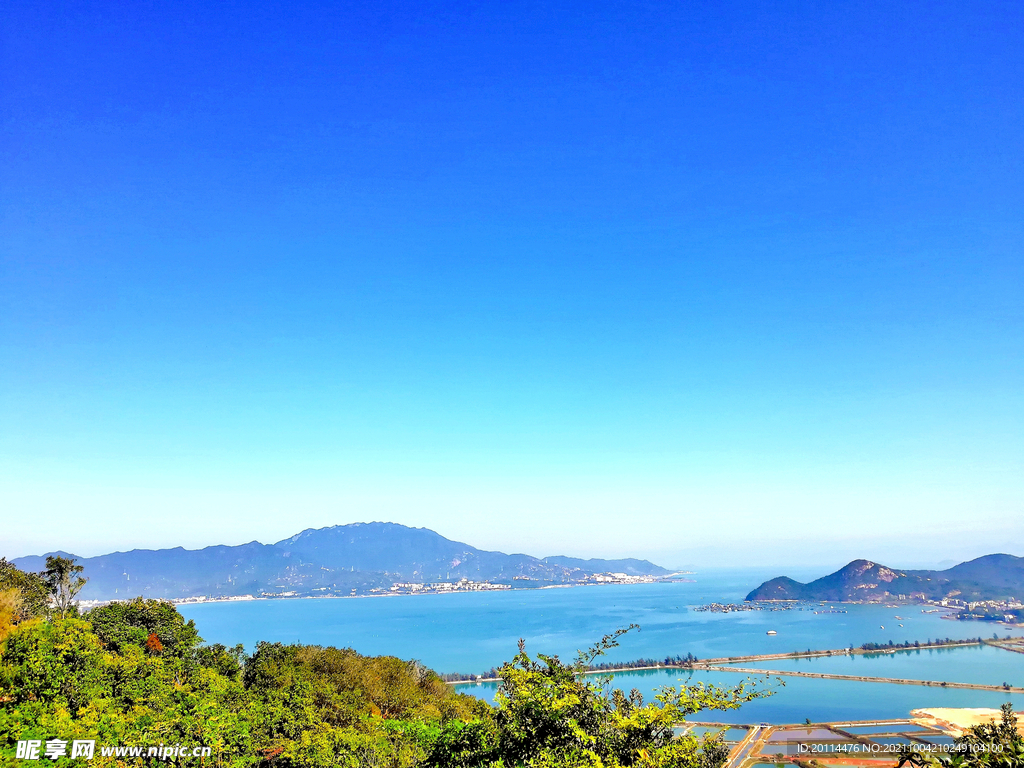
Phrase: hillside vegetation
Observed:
(138, 674)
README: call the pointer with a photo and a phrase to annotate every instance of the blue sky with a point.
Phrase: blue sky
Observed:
(705, 283)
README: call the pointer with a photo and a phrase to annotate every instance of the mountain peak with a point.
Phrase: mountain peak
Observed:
(985, 578)
(334, 560)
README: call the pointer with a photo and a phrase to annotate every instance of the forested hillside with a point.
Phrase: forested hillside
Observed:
(136, 674)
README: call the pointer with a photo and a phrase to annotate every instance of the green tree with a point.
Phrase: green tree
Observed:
(460, 744)
(554, 714)
(136, 673)
(121, 624)
(64, 581)
(225, 661)
(30, 592)
(58, 678)
(10, 610)
(992, 745)
(57, 664)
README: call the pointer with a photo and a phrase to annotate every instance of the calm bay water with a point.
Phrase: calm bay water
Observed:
(802, 698)
(972, 664)
(472, 632)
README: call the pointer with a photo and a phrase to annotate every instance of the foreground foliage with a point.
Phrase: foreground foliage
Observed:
(549, 713)
(23, 596)
(996, 745)
(138, 674)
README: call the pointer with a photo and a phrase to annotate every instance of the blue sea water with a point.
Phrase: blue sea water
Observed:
(795, 699)
(970, 664)
(472, 632)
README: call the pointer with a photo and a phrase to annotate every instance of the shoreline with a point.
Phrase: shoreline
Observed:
(251, 598)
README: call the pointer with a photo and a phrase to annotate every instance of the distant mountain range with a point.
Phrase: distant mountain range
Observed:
(992, 577)
(339, 560)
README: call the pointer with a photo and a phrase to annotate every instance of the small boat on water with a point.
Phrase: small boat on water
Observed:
(882, 627)
(771, 632)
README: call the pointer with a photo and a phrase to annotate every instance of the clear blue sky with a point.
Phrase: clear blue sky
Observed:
(705, 282)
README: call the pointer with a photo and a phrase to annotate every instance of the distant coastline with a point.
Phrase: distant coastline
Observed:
(205, 600)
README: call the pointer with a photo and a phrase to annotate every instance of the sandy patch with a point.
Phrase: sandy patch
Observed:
(956, 721)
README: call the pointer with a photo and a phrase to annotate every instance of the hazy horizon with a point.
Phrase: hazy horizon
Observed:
(698, 284)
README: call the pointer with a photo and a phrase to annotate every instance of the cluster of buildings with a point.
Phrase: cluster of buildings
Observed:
(233, 598)
(426, 588)
(1010, 611)
(618, 578)
(462, 585)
